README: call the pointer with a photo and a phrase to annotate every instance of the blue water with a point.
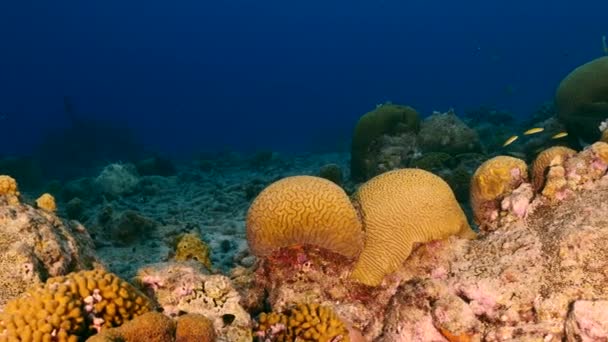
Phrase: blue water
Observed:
(192, 76)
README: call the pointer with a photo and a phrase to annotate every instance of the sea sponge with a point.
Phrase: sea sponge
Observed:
(46, 202)
(400, 208)
(190, 246)
(194, 327)
(552, 156)
(9, 189)
(582, 99)
(385, 119)
(302, 210)
(493, 180)
(305, 322)
(71, 307)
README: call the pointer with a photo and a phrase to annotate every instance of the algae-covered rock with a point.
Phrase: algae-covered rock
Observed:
(445, 132)
(387, 119)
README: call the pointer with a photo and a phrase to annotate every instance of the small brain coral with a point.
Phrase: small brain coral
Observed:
(400, 208)
(194, 327)
(305, 322)
(190, 246)
(9, 189)
(70, 307)
(303, 210)
(149, 327)
(46, 202)
(494, 179)
(552, 156)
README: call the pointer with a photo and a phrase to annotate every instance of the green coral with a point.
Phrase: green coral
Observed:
(385, 119)
(582, 99)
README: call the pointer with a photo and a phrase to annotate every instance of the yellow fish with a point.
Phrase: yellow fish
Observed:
(534, 130)
(560, 135)
(510, 141)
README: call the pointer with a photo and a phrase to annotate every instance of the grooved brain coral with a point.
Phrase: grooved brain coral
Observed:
(71, 307)
(557, 154)
(303, 210)
(400, 208)
(494, 178)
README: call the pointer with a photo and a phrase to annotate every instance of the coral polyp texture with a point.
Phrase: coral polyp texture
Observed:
(304, 322)
(546, 163)
(71, 307)
(303, 210)
(493, 181)
(47, 203)
(400, 208)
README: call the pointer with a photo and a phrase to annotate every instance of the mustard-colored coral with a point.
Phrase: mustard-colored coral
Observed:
(552, 156)
(194, 327)
(46, 202)
(71, 307)
(493, 179)
(305, 322)
(9, 189)
(302, 210)
(400, 208)
(190, 246)
(149, 327)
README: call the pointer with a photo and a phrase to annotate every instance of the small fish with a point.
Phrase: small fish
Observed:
(510, 141)
(534, 130)
(560, 135)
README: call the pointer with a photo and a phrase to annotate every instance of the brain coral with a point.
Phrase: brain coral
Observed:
(545, 159)
(400, 208)
(303, 210)
(582, 99)
(385, 119)
(493, 179)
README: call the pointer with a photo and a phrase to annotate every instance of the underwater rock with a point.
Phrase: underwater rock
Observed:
(186, 288)
(117, 179)
(36, 244)
(445, 132)
(155, 166)
(130, 226)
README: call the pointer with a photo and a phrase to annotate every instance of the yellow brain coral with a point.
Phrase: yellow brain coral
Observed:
(305, 322)
(190, 246)
(194, 327)
(545, 159)
(71, 307)
(303, 210)
(8, 188)
(400, 208)
(494, 178)
(46, 202)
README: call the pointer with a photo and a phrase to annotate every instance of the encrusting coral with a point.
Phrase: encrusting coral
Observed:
(302, 210)
(71, 307)
(400, 208)
(304, 322)
(494, 180)
(191, 247)
(47, 203)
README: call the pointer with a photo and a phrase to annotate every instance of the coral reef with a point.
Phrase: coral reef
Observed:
(73, 306)
(194, 327)
(545, 163)
(35, 245)
(303, 210)
(582, 99)
(386, 119)
(331, 172)
(117, 179)
(400, 208)
(185, 288)
(304, 322)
